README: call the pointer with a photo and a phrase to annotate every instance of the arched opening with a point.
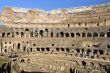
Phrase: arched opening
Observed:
(38, 49)
(18, 46)
(24, 48)
(5, 50)
(62, 49)
(30, 49)
(78, 50)
(41, 33)
(83, 34)
(3, 34)
(72, 34)
(88, 51)
(101, 52)
(22, 60)
(67, 49)
(77, 34)
(51, 34)
(102, 34)
(22, 34)
(67, 34)
(26, 29)
(83, 63)
(95, 34)
(89, 34)
(8, 34)
(42, 49)
(62, 34)
(108, 34)
(57, 49)
(47, 49)
(95, 51)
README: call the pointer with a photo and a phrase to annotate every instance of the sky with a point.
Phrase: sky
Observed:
(49, 4)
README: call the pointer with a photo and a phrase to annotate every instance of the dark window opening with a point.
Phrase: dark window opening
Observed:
(51, 34)
(102, 34)
(89, 35)
(18, 46)
(62, 49)
(101, 52)
(8, 34)
(41, 33)
(83, 63)
(108, 34)
(22, 34)
(72, 34)
(68, 25)
(48, 49)
(38, 49)
(78, 50)
(22, 60)
(108, 46)
(17, 33)
(5, 50)
(34, 44)
(26, 29)
(3, 34)
(42, 49)
(57, 49)
(95, 34)
(77, 34)
(52, 44)
(97, 23)
(62, 34)
(31, 49)
(67, 34)
(95, 51)
(67, 49)
(83, 34)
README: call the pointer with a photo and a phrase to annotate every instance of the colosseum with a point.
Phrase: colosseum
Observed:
(68, 40)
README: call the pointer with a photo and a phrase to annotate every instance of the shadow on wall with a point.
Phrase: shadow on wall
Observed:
(31, 72)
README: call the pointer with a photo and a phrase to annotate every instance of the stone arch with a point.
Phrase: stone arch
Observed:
(67, 49)
(41, 33)
(84, 63)
(108, 34)
(22, 60)
(47, 49)
(62, 34)
(27, 29)
(8, 34)
(3, 34)
(89, 34)
(102, 34)
(42, 49)
(18, 46)
(95, 34)
(72, 34)
(78, 34)
(57, 49)
(22, 34)
(67, 34)
(83, 34)
(38, 49)
(62, 49)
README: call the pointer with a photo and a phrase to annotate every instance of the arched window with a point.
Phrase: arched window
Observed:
(102, 34)
(108, 34)
(57, 49)
(72, 34)
(42, 49)
(47, 49)
(62, 49)
(83, 34)
(26, 29)
(22, 34)
(41, 33)
(89, 34)
(95, 34)
(62, 34)
(38, 49)
(67, 34)
(3, 34)
(8, 34)
(77, 34)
